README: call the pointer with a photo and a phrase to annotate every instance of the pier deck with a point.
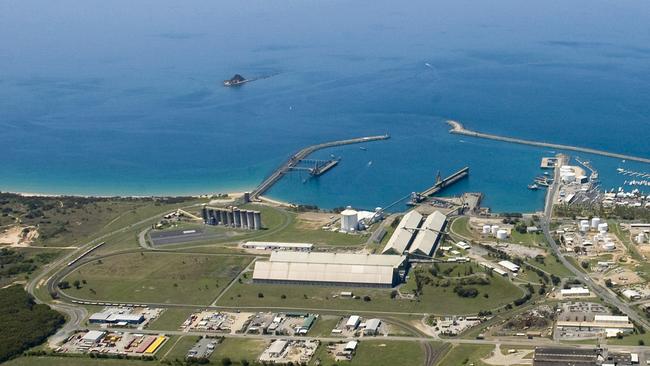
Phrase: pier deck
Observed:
(458, 128)
(302, 154)
(446, 182)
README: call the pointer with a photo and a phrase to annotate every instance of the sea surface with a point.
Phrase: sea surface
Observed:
(126, 98)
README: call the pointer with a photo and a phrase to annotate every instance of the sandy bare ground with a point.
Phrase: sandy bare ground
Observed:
(315, 220)
(516, 358)
(16, 237)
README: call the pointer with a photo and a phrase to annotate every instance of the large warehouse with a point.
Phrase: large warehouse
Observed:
(339, 269)
(417, 239)
(404, 233)
(429, 235)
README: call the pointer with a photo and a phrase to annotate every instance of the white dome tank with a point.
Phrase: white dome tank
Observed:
(349, 219)
(595, 222)
(502, 234)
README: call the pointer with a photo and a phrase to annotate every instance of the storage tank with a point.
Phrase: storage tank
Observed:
(603, 227)
(640, 239)
(595, 222)
(584, 227)
(502, 234)
(236, 216)
(216, 217)
(486, 229)
(257, 220)
(349, 219)
(494, 229)
(609, 247)
(243, 217)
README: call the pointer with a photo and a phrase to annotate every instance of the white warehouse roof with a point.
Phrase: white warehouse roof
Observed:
(342, 268)
(509, 266)
(427, 238)
(403, 233)
(611, 318)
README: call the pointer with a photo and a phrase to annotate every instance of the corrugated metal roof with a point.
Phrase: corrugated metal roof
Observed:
(402, 236)
(426, 239)
(321, 272)
(337, 258)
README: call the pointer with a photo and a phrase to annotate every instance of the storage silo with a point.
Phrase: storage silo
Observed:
(502, 234)
(486, 229)
(494, 229)
(236, 217)
(602, 227)
(584, 225)
(349, 219)
(595, 222)
(251, 219)
(228, 218)
(257, 220)
(204, 213)
(243, 217)
(217, 216)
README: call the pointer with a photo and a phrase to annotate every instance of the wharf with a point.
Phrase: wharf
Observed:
(446, 182)
(458, 128)
(296, 158)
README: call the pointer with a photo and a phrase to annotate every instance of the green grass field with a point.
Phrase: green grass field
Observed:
(156, 277)
(74, 361)
(177, 348)
(294, 232)
(466, 354)
(527, 239)
(324, 325)
(376, 352)
(500, 291)
(238, 349)
(171, 319)
(461, 227)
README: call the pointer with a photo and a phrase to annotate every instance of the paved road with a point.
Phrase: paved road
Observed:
(599, 290)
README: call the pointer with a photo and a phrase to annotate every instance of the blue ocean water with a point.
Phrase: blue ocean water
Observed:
(126, 98)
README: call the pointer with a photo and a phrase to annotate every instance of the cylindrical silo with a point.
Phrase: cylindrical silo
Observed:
(227, 217)
(494, 229)
(602, 227)
(218, 217)
(236, 217)
(502, 234)
(251, 219)
(486, 229)
(595, 222)
(257, 220)
(204, 213)
(243, 217)
(349, 219)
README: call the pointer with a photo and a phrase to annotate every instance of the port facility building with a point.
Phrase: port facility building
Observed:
(404, 233)
(428, 236)
(336, 269)
(268, 245)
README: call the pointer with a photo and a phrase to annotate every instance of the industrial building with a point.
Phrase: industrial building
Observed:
(428, 236)
(575, 292)
(111, 317)
(561, 356)
(509, 266)
(404, 233)
(270, 245)
(233, 217)
(339, 269)
(612, 325)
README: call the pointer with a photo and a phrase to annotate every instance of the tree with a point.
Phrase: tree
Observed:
(226, 361)
(366, 298)
(63, 285)
(76, 284)
(584, 264)
(260, 295)
(393, 294)
(608, 283)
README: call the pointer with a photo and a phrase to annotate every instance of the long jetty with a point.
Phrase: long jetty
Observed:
(446, 182)
(302, 154)
(458, 128)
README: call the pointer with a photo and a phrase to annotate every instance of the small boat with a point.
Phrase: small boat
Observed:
(533, 187)
(235, 81)
(370, 163)
(363, 148)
